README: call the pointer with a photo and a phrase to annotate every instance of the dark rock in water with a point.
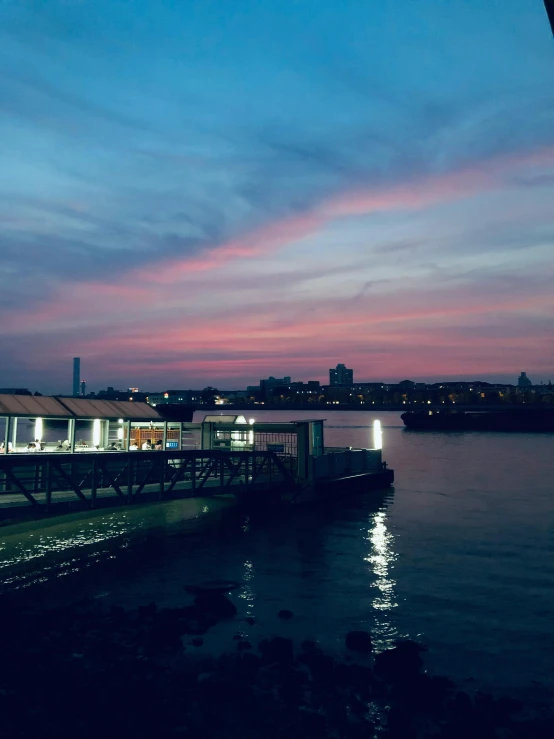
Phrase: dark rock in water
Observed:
(461, 703)
(120, 661)
(490, 711)
(356, 677)
(249, 663)
(164, 637)
(285, 614)
(148, 611)
(213, 586)
(277, 650)
(508, 705)
(310, 646)
(401, 662)
(358, 641)
(421, 692)
(312, 725)
(197, 641)
(250, 620)
(321, 666)
(117, 613)
(400, 723)
(215, 604)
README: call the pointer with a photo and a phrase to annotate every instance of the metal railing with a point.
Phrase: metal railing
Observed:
(41, 480)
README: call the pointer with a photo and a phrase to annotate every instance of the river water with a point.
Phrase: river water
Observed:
(459, 555)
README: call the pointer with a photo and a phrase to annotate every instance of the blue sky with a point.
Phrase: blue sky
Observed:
(211, 191)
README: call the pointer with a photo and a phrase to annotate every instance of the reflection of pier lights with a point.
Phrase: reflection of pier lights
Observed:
(247, 594)
(381, 558)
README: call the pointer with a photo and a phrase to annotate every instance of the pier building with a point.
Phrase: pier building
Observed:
(62, 454)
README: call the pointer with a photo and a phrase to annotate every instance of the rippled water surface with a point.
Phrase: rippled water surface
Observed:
(458, 555)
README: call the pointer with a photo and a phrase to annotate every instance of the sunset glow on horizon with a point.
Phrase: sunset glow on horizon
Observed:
(212, 193)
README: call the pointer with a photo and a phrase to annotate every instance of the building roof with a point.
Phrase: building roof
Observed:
(35, 406)
(128, 410)
(224, 419)
(40, 406)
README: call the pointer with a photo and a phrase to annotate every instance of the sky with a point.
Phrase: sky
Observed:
(214, 191)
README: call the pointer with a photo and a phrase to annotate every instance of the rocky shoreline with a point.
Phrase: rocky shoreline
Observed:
(91, 672)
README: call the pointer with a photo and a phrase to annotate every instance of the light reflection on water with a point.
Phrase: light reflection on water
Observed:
(36, 552)
(38, 545)
(381, 560)
(247, 593)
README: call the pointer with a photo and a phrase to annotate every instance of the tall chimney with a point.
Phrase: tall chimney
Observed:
(76, 376)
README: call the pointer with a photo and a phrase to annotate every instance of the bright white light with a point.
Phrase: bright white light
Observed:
(377, 435)
(96, 432)
(38, 429)
(251, 421)
(120, 420)
(120, 433)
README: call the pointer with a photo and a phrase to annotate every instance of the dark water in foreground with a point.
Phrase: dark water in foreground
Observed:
(459, 555)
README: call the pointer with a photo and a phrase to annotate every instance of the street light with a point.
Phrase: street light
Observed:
(377, 435)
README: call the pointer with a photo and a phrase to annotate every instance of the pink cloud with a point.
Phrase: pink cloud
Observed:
(421, 193)
(392, 329)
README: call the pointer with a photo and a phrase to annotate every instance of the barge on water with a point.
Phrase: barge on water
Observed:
(513, 419)
(259, 463)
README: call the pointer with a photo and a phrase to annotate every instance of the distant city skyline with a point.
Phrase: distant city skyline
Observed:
(521, 380)
(210, 193)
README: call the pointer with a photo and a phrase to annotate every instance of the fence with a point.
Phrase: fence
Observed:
(44, 479)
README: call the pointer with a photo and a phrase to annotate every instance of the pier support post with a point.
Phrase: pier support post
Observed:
(36, 480)
(71, 434)
(130, 471)
(48, 485)
(93, 485)
(7, 434)
(14, 434)
(303, 449)
(163, 463)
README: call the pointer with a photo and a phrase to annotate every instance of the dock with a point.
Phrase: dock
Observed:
(261, 464)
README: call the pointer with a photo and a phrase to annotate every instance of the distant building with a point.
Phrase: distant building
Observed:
(405, 385)
(14, 391)
(172, 397)
(110, 393)
(524, 381)
(76, 376)
(341, 375)
(83, 388)
(267, 385)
